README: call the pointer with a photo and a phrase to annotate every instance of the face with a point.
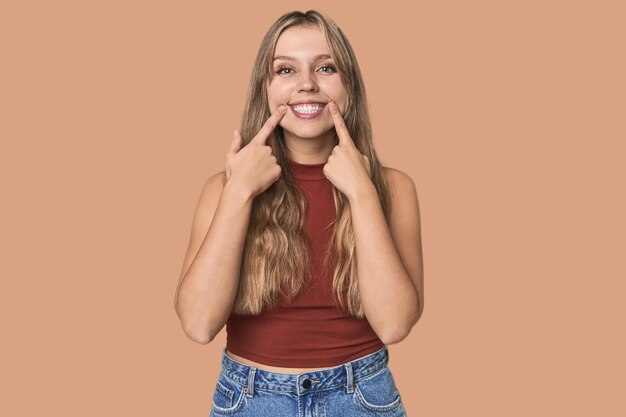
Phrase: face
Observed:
(305, 76)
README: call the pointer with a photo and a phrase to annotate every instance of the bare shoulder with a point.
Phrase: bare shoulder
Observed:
(207, 202)
(216, 180)
(203, 215)
(400, 183)
(405, 227)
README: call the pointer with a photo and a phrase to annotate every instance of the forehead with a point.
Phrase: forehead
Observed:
(301, 43)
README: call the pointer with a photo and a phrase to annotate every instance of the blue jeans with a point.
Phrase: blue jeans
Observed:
(362, 387)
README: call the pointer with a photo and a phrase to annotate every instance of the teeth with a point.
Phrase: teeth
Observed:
(308, 108)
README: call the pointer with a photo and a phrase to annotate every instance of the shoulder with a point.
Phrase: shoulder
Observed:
(219, 177)
(214, 183)
(400, 183)
(210, 193)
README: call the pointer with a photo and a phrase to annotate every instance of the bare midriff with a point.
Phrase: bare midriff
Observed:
(272, 368)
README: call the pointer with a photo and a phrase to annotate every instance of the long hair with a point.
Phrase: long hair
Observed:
(276, 252)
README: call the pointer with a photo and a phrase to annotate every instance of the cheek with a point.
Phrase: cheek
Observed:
(343, 106)
(278, 90)
(273, 96)
(340, 97)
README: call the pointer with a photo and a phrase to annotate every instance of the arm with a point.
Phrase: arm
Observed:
(210, 276)
(389, 259)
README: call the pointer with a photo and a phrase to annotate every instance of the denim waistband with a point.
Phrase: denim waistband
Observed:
(344, 374)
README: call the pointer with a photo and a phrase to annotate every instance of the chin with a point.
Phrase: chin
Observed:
(311, 132)
(307, 134)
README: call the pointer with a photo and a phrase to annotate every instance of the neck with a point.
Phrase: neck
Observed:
(310, 150)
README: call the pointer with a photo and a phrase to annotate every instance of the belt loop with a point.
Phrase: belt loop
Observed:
(387, 358)
(350, 382)
(250, 392)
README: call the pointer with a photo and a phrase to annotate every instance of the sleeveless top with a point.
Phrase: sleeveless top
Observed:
(309, 331)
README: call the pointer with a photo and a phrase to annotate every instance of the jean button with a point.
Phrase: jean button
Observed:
(306, 383)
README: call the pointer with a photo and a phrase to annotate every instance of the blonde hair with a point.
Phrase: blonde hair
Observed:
(276, 251)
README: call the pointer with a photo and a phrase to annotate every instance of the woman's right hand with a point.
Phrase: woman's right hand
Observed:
(254, 168)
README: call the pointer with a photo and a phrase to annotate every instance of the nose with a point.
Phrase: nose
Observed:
(307, 82)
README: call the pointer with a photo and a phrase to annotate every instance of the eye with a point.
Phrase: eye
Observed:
(280, 69)
(334, 69)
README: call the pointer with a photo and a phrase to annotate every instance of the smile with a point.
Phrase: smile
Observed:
(307, 111)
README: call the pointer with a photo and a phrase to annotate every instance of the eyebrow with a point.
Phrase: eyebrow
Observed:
(290, 58)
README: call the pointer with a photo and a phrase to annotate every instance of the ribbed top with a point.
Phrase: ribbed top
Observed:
(308, 331)
(307, 172)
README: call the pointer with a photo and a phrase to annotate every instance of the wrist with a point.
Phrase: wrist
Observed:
(236, 191)
(363, 192)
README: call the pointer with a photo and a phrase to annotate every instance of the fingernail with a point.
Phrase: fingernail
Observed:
(282, 108)
(333, 106)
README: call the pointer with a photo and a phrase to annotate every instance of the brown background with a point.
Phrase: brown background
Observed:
(509, 116)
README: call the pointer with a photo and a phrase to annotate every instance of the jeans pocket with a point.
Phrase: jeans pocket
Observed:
(378, 392)
(228, 396)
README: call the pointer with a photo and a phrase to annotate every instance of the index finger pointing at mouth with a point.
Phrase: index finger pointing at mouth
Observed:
(340, 125)
(270, 125)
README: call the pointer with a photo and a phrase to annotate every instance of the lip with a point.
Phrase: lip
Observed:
(307, 102)
(307, 116)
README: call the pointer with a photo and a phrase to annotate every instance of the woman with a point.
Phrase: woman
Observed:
(276, 238)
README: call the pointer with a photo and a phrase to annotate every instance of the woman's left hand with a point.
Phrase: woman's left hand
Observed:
(347, 168)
